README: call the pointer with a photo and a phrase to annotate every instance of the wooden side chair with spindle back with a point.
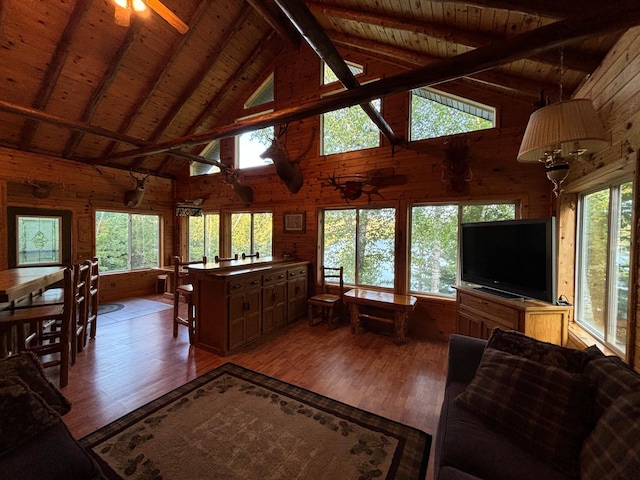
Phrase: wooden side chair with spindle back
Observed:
(183, 289)
(93, 280)
(328, 303)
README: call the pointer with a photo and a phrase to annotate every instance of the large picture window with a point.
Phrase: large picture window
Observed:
(362, 240)
(251, 233)
(604, 246)
(127, 241)
(434, 245)
(204, 236)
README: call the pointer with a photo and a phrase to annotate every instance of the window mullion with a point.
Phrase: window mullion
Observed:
(612, 273)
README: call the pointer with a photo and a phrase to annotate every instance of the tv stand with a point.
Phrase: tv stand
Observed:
(480, 312)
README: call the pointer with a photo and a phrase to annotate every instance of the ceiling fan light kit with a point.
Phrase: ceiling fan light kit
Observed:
(123, 9)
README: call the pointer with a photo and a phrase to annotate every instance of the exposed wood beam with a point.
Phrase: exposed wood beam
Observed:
(573, 58)
(524, 89)
(317, 39)
(99, 92)
(282, 27)
(485, 58)
(50, 78)
(41, 116)
(159, 74)
(194, 83)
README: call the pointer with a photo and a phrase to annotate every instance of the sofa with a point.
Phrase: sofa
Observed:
(518, 408)
(35, 444)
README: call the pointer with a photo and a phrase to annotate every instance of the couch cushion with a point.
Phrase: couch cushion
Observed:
(612, 450)
(613, 378)
(469, 444)
(27, 367)
(516, 343)
(23, 414)
(544, 408)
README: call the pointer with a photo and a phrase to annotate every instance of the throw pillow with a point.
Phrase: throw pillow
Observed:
(27, 367)
(543, 408)
(516, 343)
(612, 450)
(23, 414)
(613, 378)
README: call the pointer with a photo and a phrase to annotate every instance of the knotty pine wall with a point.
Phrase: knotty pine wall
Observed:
(496, 174)
(83, 189)
(614, 91)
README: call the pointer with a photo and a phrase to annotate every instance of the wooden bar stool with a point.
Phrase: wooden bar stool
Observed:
(183, 289)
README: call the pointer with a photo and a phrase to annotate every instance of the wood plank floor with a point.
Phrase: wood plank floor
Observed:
(135, 359)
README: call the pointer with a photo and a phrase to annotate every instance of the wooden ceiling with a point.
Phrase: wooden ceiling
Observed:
(75, 85)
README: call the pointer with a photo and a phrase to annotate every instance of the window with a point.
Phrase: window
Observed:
(434, 242)
(349, 129)
(604, 246)
(329, 77)
(38, 236)
(436, 114)
(126, 241)
(263, 94)
(250, 145)
(39, 240)
(362, 240)
(251, 233)
(204, 236)
(211, 152)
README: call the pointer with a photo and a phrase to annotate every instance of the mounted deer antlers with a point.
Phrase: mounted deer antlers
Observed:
(40, 189)
(456, 172)
(243, 191)
(288, 170)
(133, 198)
(353, 188)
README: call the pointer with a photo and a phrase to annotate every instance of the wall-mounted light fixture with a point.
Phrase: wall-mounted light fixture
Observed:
(560, 131)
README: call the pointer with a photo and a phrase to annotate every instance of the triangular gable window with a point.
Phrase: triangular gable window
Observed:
(263, 94)
(329, 77)
(211, 152)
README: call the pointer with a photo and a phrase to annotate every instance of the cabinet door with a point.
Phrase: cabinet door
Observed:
(253, 315)
(237, 335)
(274, 306)
(469, 325)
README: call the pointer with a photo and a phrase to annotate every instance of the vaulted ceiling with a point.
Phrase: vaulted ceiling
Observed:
(144, 97)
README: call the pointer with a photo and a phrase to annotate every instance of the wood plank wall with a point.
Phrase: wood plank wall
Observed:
(496, 173)
(613, 89)
(83, 189)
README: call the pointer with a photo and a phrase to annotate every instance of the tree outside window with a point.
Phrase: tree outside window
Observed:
(362, 240)
(434, 242)
(604, 246)
(204, 236)
(251, 233)
(127, 241)
(349, 129)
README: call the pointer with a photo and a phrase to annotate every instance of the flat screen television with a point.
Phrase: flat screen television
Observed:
(514, 257)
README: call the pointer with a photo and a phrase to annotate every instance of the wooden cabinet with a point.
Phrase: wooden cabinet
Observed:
(297, 293)
(237, 307)
(480, 312)
(274, 300)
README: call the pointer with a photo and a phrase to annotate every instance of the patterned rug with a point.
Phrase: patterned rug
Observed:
(233, 423)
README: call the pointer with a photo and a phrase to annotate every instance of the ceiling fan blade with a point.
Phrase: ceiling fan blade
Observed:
(170, 17)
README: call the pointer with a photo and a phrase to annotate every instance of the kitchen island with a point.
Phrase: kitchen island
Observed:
(237, 302)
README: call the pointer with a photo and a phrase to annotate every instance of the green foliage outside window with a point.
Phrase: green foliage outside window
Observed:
(127, 241)
(434, 242)
(204, 236)
(430, 119)
(252, 232)
(363, 242)
(349, 129)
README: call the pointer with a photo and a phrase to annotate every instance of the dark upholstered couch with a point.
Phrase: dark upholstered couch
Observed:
(35, 444)
(516, 408)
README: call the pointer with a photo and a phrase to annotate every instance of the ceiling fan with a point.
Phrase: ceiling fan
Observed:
(125, 7)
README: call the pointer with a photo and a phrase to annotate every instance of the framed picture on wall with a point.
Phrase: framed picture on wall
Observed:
(295, 222)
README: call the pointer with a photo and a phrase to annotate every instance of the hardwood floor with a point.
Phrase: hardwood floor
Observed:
(134, 359)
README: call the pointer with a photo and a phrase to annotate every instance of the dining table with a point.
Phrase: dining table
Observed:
(16, 283)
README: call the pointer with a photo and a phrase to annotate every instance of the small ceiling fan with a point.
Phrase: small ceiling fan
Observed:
(125, 7)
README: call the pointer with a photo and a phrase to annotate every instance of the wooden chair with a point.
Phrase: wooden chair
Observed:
(79, 311)
(327, 302)
(183, 289)
(33, 330)
(93, 280)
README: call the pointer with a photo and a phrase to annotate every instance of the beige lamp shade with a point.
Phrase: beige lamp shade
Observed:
(572, 127)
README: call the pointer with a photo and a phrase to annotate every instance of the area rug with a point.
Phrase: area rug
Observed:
(234, 423)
